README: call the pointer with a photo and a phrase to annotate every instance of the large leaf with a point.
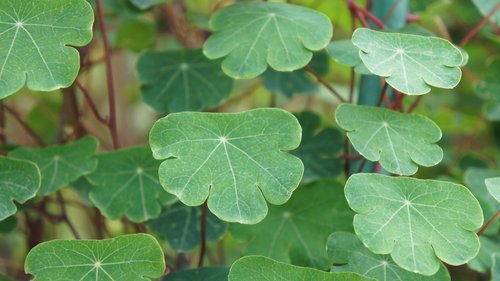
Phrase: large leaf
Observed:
(200, 274)
(418, 222)
(493, 187)
(236, 160)
(258, 268)
(136, 257)
(349, 255)
(182, 80)
(61, 164)
(297, 231)
(399, 141)
(19, 181)
(127, 184)
(253, 35)
(35, 43)
(180, 226)
(410, 63)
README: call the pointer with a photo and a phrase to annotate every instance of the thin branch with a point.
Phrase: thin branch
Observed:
(362, 165)
(414, 104)
(91, 103)
(391, 11)
(3, 136)
(478, 26)
(324, 83)
(25, 125)
(203, 234)
(362, 11)
(488, 223)
(64, 215)
(383, 97)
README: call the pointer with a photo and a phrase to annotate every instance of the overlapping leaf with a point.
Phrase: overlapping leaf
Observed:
(236, 160)
(19, 181)
(297, 231)
(182, 80)
(399, 141)
(35, 40)
(127, 184)
(345, 53)
(250, 36)
(418, 222)
(409, 63)
(493, 186)
(200, 274)
(490, 246)
(61, 164)
(349, 255)
(136, 257)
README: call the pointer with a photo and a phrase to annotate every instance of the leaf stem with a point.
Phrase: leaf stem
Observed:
(383, 97)
(64, 215)
(25, 125)
(414, 104)
(359, 11)
(488, 223)
(362, 165)
(478, 26)
(91, 103)
(203, 233)
(324, 83)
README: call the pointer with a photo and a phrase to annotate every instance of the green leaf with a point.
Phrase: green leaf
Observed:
(410, 63)
(146, 4)
(495, 268)
(297, 231)
(485, 7)
(345, 53)
(136, 35)
(258, 268)
(250, 36)
(7, 225)
(399, 141)
(20, 181)
(126, 184)
(236, 160)
(182, 80)
(200, 274)
(180, 225)
(136, 257)
(418, 222)
(37, 39)
(493, 186)
(483, 261)
(61, 164)
(319, 148)
(489, 90)
(349, 255)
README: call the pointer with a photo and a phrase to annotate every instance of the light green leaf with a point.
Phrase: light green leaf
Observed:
(345, 53)
(399, 141)
(146, 4)
(127, 184)
(20, 180)
(182, 80)
(258, 268)
(495, 268)
(61, 164)
(493, 186)
(253, 35)
(36, 43)
(485, 7)
(410, 63)
(236, 160)
(180, 226)
(136, 257)
(200, 274)
(489, 247)
(349, 255)
(418, 222)
(297, 231)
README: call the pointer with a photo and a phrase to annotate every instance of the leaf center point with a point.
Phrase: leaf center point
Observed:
(19, 24)
(407, 202)
(400, 51)
(223, 139)
(184, 66)
(139, 170)
(97, 264)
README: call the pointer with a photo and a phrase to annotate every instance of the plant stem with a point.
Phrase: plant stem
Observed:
(358, 11)
(478, 26)
(383, 97)
(488, 223)
(91, 103)
(203, 233)
(3, 136)
(64, 215)
(109, 76)
(25, 125)
(414, 104)
(324, 83)
(362, 165)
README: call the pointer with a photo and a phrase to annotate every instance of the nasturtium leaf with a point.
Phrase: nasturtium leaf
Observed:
(236, 160)
(319, 148)
(61, 164)
(250, 36)
(493, 186)
(146, 4)
(489, 90)
(409, 63)
(136, 257)
(418, 222)
(180, 226)
(126, 184)
(489, 247)
(349, 255)
(258, 268)
(399, 141)
(136, 35)
(345, 53)
(19, 181)
(485, 7)
(297, 231)
(36, 43)
(199, 274)
(182, 80)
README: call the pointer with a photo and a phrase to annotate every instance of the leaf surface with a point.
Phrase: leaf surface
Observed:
(485, 7)
(410, 63)
(493, 186)
(253, 35)
(35, 43)
(136, 257)
(490, 246)
(489, 90)
(345, 53)
(418, 222)
(200, 274)
(399, 141)
(236, 160)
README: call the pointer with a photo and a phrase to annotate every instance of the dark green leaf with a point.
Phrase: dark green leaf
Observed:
(136, 35)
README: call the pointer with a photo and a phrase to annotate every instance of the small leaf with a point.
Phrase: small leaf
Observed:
(399, 141)
(349, 255)
(180, 225)
(61, 164)
(146, 4)
(417, 221)
(297, 231)
(258, 268)
(236, 160)
(490, 246)
(493, 186)
(20, 180)
(126, 184)
(36, 43)
(200, 274)
(410, 63)
(136, 257)
(182, 80)
(253, 35)
(345, 53)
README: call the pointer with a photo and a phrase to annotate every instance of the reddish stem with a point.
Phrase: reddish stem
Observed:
(488, 223)
(25, 125)
(324, 83)
(203, 233)
(91, 103)
(414, 104)
(478, 26)
(362, 11)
